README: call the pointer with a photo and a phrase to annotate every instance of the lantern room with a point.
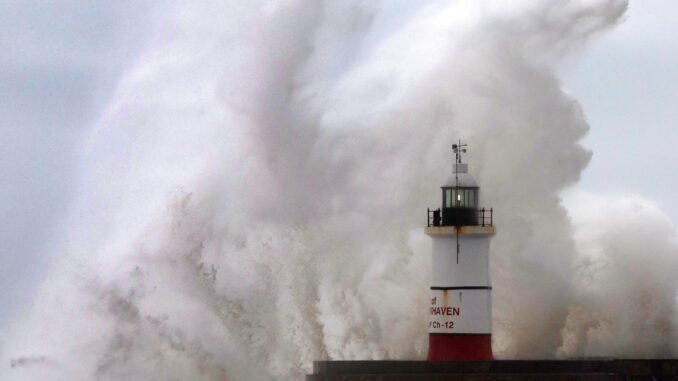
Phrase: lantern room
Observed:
(460, 198)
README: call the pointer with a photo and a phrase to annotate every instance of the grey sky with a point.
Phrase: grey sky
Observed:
(627, 83)
(59, 63)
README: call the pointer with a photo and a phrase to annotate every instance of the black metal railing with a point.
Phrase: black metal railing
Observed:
(459, 217)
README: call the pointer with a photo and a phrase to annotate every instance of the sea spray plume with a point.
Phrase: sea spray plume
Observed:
(166, 152)
(531, 153)
(625, 283)
(253, 196)
(497, 82)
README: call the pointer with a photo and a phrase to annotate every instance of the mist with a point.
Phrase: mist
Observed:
(252, 198)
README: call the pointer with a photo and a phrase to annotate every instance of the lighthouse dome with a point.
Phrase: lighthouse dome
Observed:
(461, 177)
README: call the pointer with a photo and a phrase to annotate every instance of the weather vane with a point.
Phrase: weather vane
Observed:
(458, 150)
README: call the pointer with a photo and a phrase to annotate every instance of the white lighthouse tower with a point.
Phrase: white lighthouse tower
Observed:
(460, 326)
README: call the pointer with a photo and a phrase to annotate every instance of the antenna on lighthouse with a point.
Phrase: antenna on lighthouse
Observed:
(458, 149)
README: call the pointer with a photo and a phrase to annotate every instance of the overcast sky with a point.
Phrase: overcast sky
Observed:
(59, 63)
(627, 83)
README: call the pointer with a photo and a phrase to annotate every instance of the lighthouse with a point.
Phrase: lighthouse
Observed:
(460, 324)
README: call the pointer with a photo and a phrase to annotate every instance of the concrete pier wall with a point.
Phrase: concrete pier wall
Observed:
(504, 370)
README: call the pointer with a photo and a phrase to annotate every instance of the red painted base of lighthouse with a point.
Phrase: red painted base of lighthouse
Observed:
(447, 347)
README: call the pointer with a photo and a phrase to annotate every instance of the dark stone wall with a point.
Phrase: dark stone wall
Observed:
(504, 370)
